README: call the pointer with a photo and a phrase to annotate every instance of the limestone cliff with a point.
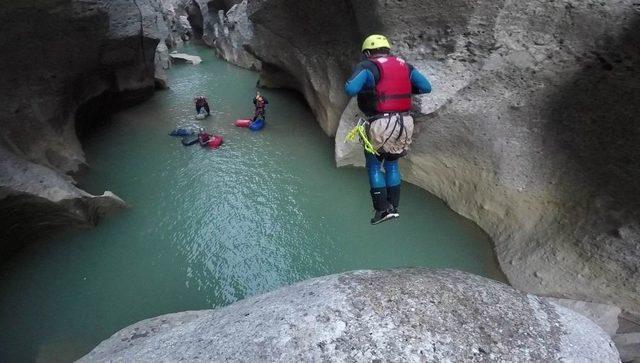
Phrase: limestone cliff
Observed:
(223, 25)
(176, 15)
(531, 131)
(64, 64)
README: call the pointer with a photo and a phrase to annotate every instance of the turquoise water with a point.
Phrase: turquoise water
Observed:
(207, 227)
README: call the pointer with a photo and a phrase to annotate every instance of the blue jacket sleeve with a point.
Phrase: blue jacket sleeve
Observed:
(361, 78)
(419, 83)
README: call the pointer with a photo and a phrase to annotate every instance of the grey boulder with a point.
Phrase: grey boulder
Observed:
(397, 315)
(185, 58)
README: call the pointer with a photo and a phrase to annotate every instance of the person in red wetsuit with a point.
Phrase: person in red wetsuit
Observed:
(203, 137)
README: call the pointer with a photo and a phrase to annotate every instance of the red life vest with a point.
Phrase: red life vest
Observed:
(260, 104)
(393, 89)
(204, 137)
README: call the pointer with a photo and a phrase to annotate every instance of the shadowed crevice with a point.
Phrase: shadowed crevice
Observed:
(595, 128)
(194, 15)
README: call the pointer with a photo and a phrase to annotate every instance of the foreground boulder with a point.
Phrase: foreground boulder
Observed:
(396, 315)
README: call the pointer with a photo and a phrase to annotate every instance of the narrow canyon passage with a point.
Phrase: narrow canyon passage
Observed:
(205, 228)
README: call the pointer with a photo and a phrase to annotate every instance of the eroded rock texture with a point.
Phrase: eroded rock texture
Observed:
(399, 315)
(64, 64)
(223, 25)
(176, 15)
(203, 15)
(531, 131)
(231, 31)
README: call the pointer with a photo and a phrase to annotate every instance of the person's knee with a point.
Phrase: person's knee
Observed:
(392, 173)
(376, 179)
(374, 171)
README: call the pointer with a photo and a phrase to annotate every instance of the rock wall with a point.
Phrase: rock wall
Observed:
(205, 14)
(176, 14)
(223, 25)
(64, 64)
(531, 131)
(398, 315)
(231, 32)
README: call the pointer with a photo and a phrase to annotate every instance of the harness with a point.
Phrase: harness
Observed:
(387, 114)
(399, 122)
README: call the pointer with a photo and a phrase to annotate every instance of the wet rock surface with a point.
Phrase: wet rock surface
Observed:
(531, 130)
(185, 58)
(162, 63)
(397, 315)
(59, 59)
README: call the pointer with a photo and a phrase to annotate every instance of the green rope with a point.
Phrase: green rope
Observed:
(360, 131)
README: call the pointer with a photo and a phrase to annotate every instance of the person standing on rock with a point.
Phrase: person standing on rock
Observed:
(384, 84)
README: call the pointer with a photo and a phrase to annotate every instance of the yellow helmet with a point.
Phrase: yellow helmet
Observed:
(375, 41)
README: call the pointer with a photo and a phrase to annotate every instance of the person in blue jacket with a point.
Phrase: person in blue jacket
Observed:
(384, 84)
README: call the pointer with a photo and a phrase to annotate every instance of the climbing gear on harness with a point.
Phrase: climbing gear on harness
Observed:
(360, 131)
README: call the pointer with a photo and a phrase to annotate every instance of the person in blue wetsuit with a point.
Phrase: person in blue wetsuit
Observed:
(384, 84)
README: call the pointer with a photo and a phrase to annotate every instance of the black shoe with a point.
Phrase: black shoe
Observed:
(380, 217)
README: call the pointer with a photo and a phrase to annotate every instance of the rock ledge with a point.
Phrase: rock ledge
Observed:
(397, 315)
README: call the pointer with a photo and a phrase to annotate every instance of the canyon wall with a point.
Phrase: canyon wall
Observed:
(65, 64)
(531, 130)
